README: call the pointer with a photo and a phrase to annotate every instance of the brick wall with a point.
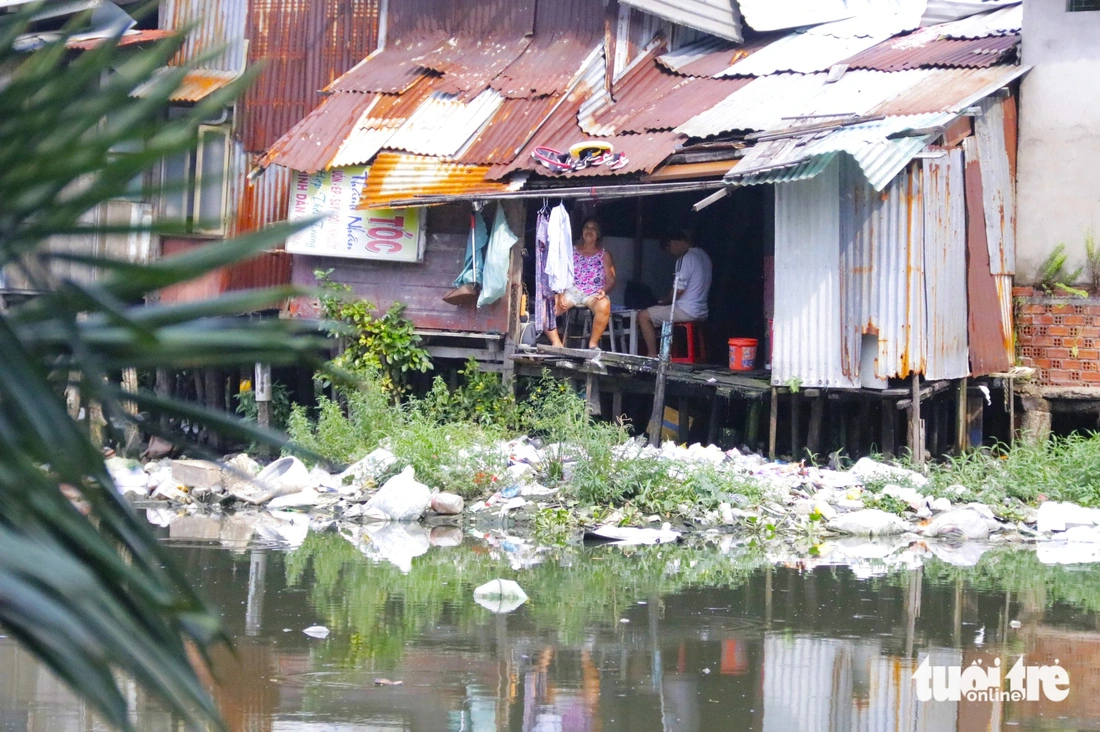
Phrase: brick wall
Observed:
(1058, 336)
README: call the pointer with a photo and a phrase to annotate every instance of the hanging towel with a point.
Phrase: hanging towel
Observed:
(544, 296)
(498, 258)
(559, 259)
(475, 252)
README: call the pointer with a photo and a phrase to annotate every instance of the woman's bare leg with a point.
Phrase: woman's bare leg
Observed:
(601, 314)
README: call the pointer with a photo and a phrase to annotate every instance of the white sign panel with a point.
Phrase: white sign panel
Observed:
(392, 235)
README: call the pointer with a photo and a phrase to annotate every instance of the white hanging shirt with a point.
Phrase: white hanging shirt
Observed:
(559, 254)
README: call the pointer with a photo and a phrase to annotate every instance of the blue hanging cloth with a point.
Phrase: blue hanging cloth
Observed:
(474, 263)
(498, 258)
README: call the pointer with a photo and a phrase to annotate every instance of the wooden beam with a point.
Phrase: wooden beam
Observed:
(916, 438)
(962, 440)
(817, 415)
(773, 423)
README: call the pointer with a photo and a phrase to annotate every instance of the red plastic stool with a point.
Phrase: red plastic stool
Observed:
(694, 337)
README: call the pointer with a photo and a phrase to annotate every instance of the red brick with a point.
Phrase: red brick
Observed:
(1092, 309)
(1048, 319)
(1058, 330)
(1091, 376)
(1057, 376)
(1023, 291)
(1042, 363)
(1096, 319)
(1045, 342)
(1076, 319)
(1059, 308)
(1033, 308)
(1089, 332)
(1072, 364)
(1088, 354)
(1058, 353)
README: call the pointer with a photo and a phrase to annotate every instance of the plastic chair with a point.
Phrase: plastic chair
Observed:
(611, 333)
(695, 337)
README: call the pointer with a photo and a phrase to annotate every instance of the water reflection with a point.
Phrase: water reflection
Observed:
(710, 637)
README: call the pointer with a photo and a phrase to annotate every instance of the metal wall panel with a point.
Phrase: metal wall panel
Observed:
(998, 187)
(219, 27)
(721, 18)
(882, 274)
(807, 282)
(945, 266)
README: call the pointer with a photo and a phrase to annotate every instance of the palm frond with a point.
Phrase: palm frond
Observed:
(94, 594)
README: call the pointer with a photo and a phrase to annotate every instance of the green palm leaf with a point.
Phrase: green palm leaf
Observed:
(92, 594)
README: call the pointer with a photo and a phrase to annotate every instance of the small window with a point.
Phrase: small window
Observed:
(195, 184)
(1081, 6)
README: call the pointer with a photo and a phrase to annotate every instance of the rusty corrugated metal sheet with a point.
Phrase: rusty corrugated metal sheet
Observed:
(267, 269)
(882, 274)
(717, 17)
(397, 177)
(132, 38)
(197, 84)
(991, 346)
(925, 48)
(1006, 21)
(443, 124)
(945, 266)
(219, 24)
(547, 65)
(649, 98)
(261, 201)
(379, 122)
(391, 71)
(313, 142)
(998, 186)
(807, 324)
(501, 140)
(468, 65)
(710, 56)
(944, 90)
(304, 47)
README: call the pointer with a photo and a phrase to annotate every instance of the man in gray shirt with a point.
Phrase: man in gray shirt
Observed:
(692, 284)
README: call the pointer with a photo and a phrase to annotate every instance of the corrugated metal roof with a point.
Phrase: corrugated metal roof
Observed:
(709, 56)
(547, 65)
(1004, 22)
(198, 84)
(945, 11)
(650, 98)
(807, 327)
(313, 142)
(379, 122)
(218, 24)
(765, 102)
(820, 47)
(469, 64)
(442, 124)
(501, 140)
(947, 354)
(998, 187)
(130, 38)
(721, 18)
(769, 15)
(304, 47)
(398, 177)
(948, 90)
(390, 71)
(926, 48)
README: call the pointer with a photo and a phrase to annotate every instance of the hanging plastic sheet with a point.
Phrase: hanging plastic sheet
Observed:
(468, 284)
(498, 257)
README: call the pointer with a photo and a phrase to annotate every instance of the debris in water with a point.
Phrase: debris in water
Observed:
(500, 596)
(316, 631)
(387, 682)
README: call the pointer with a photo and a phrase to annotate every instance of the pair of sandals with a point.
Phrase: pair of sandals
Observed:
(580, 156)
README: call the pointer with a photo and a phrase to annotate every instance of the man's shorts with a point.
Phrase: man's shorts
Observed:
(660, 314)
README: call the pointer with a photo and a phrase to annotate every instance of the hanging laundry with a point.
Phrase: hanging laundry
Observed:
(475, 252)
(498, 259)
(544, 296)
(559, 260)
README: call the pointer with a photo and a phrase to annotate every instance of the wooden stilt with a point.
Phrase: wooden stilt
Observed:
(616, 405)
(796, 404)
(592, 394)
(863, 426)
(817, 415)
(773, 423)
(752, 423)
(961, 438)
(712, 421)
(916, 439)
(889, 428)
(683, 426)
(1011, 412)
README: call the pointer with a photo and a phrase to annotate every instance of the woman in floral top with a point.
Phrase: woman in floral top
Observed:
(593, 277)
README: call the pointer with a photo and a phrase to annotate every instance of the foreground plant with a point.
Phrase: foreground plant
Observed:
(91, 594)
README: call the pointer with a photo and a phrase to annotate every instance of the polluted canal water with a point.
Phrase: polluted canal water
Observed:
(700, 635)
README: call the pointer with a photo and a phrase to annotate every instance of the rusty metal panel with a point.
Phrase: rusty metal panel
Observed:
(998, 187)
(398, 177)
(947, 90)
(197, 84)
(219, 26)
(131, 38)
(312, 143)
(391, 71)
(547, 65)
(266, 269)
(379, 122)
(1006, 21)
(881, 274)
(927, 48)
(467, 66)
(989, 321)
(807, 283)
(708, 56)
(502, 139)
(420, 287)
(304, 47)
(443, 124)
(945, 276)
(258, 202)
